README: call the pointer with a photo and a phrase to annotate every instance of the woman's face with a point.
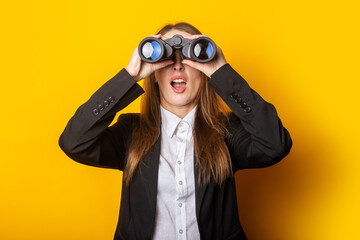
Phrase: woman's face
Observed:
(178, 83)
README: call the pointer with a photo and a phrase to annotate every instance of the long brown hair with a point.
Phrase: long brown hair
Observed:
(212, 154)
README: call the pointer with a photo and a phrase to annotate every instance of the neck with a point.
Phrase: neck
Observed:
(180, 111)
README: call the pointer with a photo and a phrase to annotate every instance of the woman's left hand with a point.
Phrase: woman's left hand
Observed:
(210, 67)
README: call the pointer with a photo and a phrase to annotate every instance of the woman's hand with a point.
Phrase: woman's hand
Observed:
(139, 69)
(210, 67)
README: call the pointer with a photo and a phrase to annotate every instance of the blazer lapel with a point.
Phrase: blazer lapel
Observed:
(149, 173)
(199, 189)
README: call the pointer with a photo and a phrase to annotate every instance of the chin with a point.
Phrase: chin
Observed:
(179, 102)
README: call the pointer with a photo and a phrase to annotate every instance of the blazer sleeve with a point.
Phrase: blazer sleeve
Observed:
(88, 139)
(257, 136)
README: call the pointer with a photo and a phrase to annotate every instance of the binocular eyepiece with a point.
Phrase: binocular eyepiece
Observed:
(201, 49)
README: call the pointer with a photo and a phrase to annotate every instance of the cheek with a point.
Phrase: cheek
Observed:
(197, 82)
(196, 74)
(156, 74)
(160, 75)
(197, 86)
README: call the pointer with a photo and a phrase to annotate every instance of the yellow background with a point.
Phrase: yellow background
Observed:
(302, 56)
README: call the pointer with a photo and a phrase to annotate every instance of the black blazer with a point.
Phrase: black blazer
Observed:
(258, 139)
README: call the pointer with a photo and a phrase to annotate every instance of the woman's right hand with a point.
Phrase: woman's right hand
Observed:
(139, 69)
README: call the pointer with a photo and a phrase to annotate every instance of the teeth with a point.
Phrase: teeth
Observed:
(178, 80)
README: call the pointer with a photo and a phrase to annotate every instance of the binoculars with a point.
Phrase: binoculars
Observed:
(201, 49)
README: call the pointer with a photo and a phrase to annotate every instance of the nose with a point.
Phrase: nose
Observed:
(178, 66)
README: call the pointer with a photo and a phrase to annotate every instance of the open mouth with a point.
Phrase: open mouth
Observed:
(178, 84)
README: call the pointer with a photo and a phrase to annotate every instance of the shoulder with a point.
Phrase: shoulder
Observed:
(128, 117)
(125, 123)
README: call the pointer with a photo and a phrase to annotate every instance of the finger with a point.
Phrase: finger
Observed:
(196, 65)
(163, 64)
(136, 52)
(156, 36)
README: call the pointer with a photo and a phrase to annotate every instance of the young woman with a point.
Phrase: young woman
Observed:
(199, 124)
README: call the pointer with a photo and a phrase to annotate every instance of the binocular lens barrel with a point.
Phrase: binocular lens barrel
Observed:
(201, 49)
(151, 50)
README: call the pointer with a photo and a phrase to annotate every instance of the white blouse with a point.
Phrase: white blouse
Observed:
(175, 206)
